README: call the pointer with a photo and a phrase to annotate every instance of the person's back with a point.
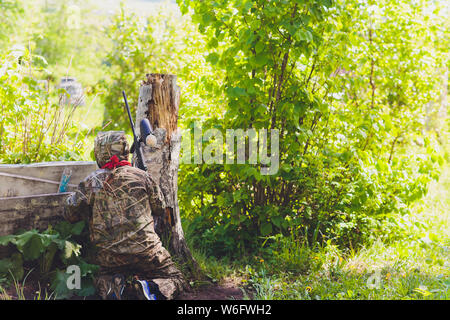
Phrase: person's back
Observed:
(122, 209)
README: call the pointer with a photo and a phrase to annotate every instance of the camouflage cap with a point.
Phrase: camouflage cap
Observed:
(108, 144)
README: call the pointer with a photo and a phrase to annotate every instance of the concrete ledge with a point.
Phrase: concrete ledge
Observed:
(28, 194)
(17, 179)
(31, 212)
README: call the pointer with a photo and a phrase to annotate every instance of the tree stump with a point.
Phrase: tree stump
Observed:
(159, 99)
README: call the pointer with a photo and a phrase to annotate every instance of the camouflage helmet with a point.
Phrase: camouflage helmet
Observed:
(108, 144)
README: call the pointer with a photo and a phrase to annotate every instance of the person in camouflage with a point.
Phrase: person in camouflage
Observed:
(118, 201)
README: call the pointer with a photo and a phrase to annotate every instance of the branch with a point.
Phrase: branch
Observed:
(392, 148)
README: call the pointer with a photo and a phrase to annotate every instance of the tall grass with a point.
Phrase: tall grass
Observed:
(19, 288)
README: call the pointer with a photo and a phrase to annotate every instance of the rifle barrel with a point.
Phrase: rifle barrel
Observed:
(140, 160)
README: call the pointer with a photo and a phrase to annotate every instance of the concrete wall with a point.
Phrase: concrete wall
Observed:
(28, 194)
(30, 212)
(40, 178)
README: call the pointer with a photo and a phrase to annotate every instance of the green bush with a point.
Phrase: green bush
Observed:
(34, 127)
(50, 252)
(164, 42)
(11, 10)
(346, 85)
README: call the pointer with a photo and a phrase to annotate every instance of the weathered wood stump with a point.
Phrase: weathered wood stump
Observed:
(159, 99)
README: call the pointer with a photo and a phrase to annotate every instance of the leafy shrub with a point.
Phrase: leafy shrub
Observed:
(165, 42)
(345, 83)
(33, 125)
(51, 251)
(11, 9)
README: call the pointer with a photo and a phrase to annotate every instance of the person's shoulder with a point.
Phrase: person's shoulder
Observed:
(96, 173)
(95, 176)
(132, 171)
(132, 175)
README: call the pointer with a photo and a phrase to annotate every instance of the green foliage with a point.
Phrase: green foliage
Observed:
(353, 87)
(132, 55)
(404, 270)
(33, 126)
(10, 10)
(414, 267)
(51, 251)
(12, 266)
(57, 35)
(70, 37)
(164, 42)
(345, 83)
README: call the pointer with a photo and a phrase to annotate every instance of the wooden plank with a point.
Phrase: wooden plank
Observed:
(28, 194)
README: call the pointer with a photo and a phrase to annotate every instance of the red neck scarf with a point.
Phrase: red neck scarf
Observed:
(114, 163)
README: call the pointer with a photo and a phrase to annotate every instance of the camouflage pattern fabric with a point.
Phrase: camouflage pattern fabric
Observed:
(119, 205)
(108, 285)
(108, 144)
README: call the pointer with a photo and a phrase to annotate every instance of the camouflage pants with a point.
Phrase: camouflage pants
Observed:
(155, 265)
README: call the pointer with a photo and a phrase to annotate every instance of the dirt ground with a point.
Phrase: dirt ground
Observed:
(227, 290)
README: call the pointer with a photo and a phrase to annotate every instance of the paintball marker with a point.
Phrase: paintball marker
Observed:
(149, 139)
(146, 136)
(147, 133)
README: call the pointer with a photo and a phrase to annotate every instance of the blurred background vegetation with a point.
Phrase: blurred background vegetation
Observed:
(358, 90)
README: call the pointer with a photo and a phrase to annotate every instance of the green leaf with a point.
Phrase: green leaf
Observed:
(64, 228)
(277, 221)
(266, 228)
(30, 244)
(12, 265)
(259, 47)
(47, 258)
(213, 58)
(327, 3)
(261, 59)
(59, 285)
(235, 92)
(77, 228)
(70, 249)
(5, 240)
(86, 268)
(304, 35)
(87, 288)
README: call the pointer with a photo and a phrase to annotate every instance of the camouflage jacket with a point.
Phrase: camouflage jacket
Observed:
(118, 204)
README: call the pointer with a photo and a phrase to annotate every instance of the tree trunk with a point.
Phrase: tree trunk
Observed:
(159, 99)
